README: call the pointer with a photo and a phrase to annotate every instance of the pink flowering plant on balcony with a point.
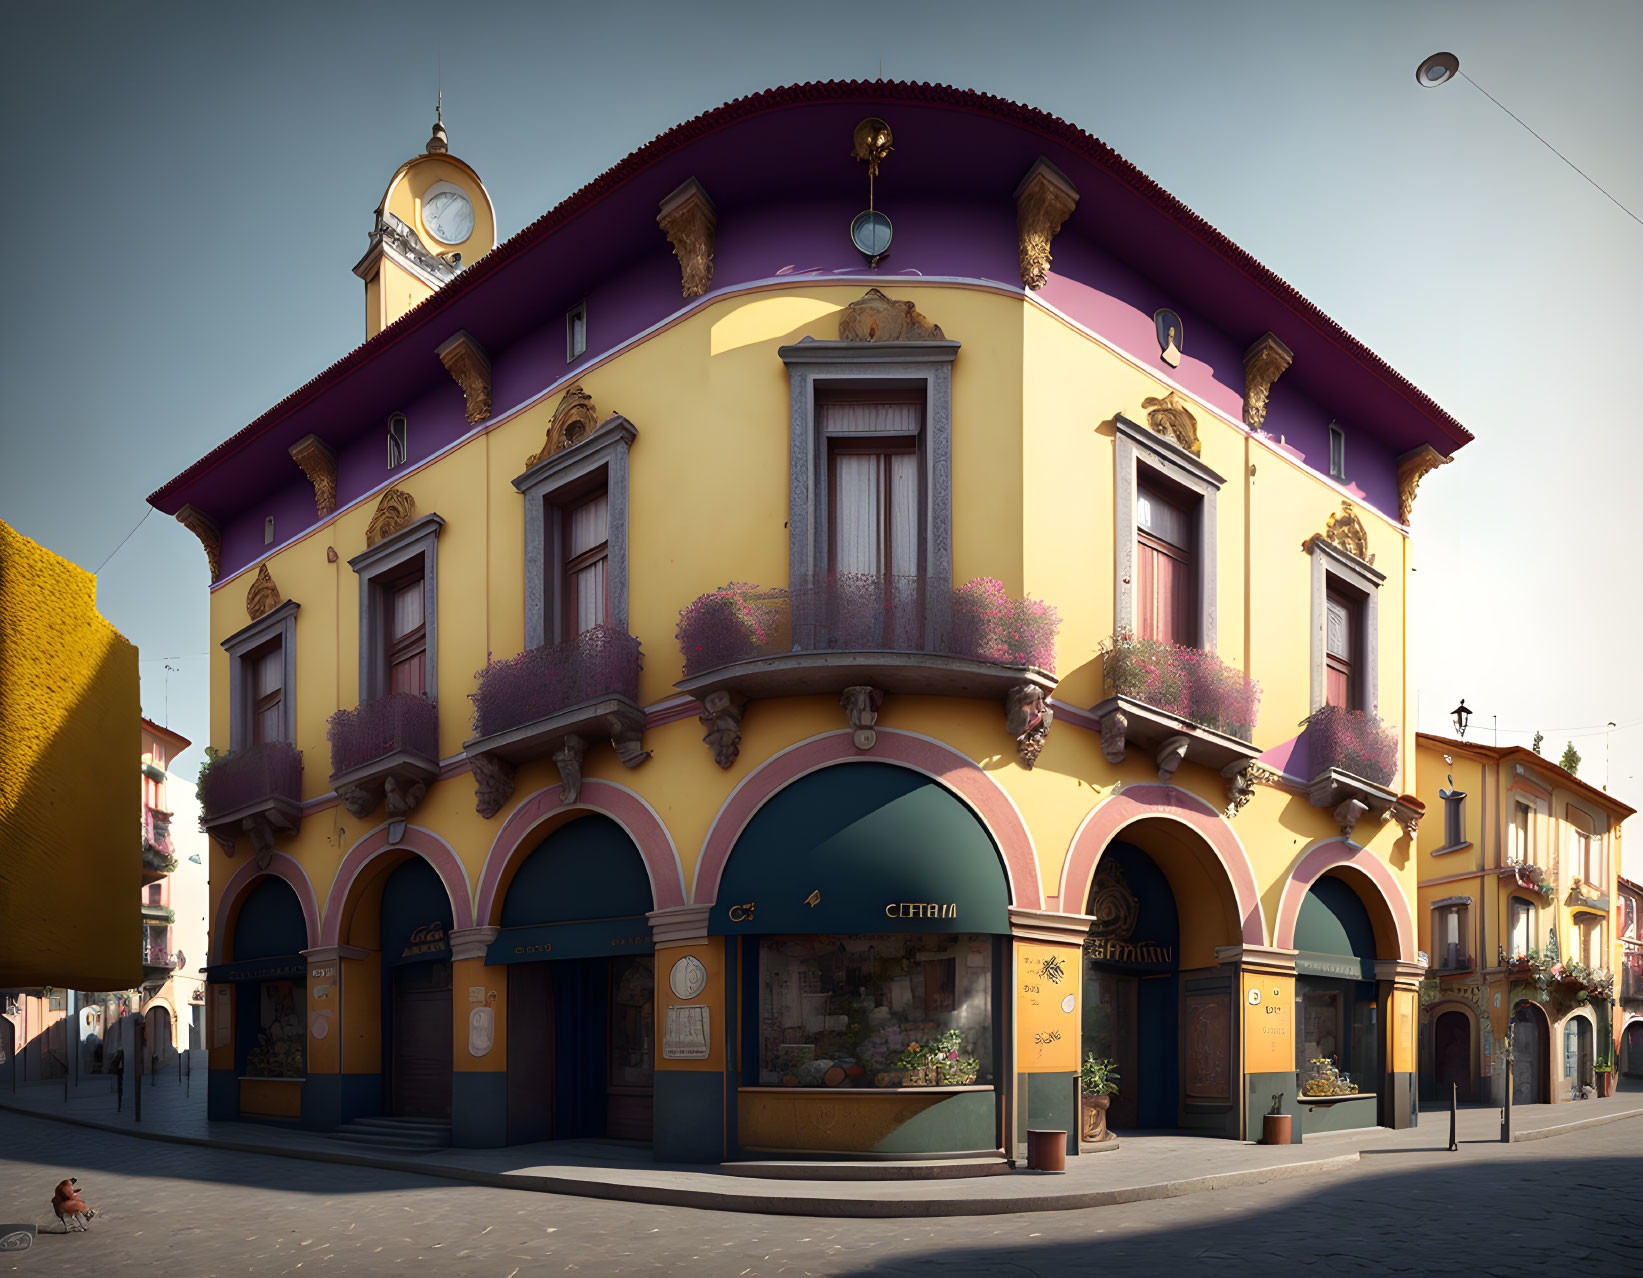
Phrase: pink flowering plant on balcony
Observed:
(1184, 681)
(1352, 741)
(991, 626)
(541, 682)
(730, 624)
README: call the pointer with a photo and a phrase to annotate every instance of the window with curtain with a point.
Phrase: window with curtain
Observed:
(1586, 850)
(1340, 651)
(407, 638)
(1522, 928)
(1449, 927)
(266, 670)
(1521, 847)
(1166, 597)
(586, 539)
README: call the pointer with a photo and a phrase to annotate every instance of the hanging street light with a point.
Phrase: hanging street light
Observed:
(1462, 717)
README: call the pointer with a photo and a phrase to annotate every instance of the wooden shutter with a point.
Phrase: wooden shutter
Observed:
(407, 639)
(1339, 650)
(1166, 594)
(587, 565)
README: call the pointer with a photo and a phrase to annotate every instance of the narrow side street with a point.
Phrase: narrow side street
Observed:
(1564, 1203)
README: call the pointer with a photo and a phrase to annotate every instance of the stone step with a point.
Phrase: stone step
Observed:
(869, 1169)
(397, 1122)
(403, 1144)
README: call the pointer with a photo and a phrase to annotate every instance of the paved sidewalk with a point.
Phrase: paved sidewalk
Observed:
(1147, 1166)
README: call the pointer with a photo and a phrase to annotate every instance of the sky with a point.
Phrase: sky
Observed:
(189, 186)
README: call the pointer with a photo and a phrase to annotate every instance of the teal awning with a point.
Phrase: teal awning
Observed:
(593, 938)
(863, 847)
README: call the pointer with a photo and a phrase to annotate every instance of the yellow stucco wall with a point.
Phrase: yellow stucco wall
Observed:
(70, 863)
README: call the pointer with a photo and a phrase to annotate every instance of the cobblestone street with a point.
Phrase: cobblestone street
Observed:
(233, 1213)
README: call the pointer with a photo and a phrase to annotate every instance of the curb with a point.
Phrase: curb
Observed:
(761, 1204)
(1563, 1129)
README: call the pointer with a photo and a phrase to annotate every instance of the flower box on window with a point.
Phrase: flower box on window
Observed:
(1354, 757)
(257, 790)
(386, 749)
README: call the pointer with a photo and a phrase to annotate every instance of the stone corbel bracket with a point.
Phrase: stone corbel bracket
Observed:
(466, 361)
(1407, 812)
(1027, 718)
(1168, 756)
(1043, 202)
(1348, 804)
(319, 463)
(1241, 776)
(1413, 466)
(205, 528)
(1114, 726)
(861, 707)
(568, 759)
(627, 736)
(688, 220)
(721, 715)
(493, 783)
(1264, 363)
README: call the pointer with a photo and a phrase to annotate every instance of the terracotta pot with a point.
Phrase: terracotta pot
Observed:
(1275, 1129)
(1094, 1125)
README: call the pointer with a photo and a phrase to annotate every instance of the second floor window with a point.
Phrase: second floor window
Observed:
(1521, 928)
(1520, 848)
(1591, 944)
(1449, 924)
(873, 479)
(1166, 570)
(267, 693)
(587, 565)
(1586, 849)
(1342, 678)
(407, 638)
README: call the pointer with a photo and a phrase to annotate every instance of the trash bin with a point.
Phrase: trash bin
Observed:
(1275, 1129)
(1047, 1151)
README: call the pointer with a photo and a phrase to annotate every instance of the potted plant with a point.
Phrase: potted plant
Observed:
(1605, 1074)
(1097, 1084)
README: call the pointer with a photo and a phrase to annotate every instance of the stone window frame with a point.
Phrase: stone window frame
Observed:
(1533, 907)
(1464, 905)
(1137, 447)
(375, 568)
(1330, 562)
(278, 624)
(567, 472)
(821, 365)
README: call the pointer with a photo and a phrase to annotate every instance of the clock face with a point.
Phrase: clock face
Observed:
(449, 217)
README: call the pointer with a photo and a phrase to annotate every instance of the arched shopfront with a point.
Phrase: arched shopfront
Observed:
(1531, 1055)
(1578, 1060)
(1337, 1006)
(580, 986)
(869, 915)
(1454, 1039)
(1631, 1049)
(260, 1007)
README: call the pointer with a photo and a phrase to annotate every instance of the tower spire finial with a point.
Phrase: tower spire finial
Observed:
(438, 142)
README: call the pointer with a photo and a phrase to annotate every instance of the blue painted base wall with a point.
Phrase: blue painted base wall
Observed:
(479, 1110)
(361, 1096)
(222, 1099)
(1047, 1102)
(690, 1116)
(322, 1102)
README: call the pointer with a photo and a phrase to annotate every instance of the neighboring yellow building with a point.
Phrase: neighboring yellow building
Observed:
(1518, 866)
(987, 783)
(69, 860)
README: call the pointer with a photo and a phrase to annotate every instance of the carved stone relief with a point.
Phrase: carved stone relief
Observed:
(359, 800)
(1346, 815)
(568, 759)
(1346, 530)
(873, 317)
(627, 735)
(466, 361)
(395, 510)
(493, 783)
(1168, 756)
(575, 419)
(319, 463)
(861, 707)
(721, 715)
(1044, 200)
(1169, 417)
(688, 220)
(1264, 363)
(205, 528)
(1114, 725)
(1413, 466)
(1027, 718)
(264, 595)
(1241, 778)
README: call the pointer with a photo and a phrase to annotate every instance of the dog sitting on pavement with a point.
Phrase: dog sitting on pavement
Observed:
(70, 1208)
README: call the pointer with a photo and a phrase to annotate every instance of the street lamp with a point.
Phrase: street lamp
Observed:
(1440, 68)
(1462, 717)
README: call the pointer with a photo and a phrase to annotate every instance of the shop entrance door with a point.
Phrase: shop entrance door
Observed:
(1529, 1057)
(1452, 1054)
(1577, 1054)
(421, 1065)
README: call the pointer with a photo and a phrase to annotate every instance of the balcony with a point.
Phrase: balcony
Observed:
(1354, 757)
(256, 791)
(860, 637)
(1180, 703)
(554, 701)
(1528, 876)
(1631, 977)
(385, 751)
(158, 961)
(1587, 897)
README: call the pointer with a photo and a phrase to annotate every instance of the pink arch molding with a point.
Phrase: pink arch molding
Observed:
(280, 866)
(435, 851)
(1139, 802)
(621, 805)
(1329, 856)
(984, 796)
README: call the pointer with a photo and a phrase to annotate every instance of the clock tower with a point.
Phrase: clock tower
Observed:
(435, 218)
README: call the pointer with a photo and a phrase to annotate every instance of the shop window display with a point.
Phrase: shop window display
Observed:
(875, 1010)
(278, 1051)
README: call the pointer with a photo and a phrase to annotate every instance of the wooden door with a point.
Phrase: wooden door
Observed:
(629, 1095)
(531, 1047)
(1529, 1058)
(1452, 1055)
(421, 1067)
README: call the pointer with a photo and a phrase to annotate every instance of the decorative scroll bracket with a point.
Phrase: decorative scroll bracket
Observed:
(493, 783)
(721, 715)
(568, 759)
(861, 707)
(1264, 363)
(688, 220)
(1043, 202)
(465, 360)
(319, 463)
(205, 528)
(1413, 466)
(1027, 718)
(627, 736)
(1241, 776)
(1346, 815)
(401, 800)
(1114, 726)
(1168, 756)
(1408, 813)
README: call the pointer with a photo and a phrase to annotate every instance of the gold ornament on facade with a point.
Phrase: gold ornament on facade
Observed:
(396, 510)
(871, 142)
(264, 595)
(468, 364)
(205, 528)
(1346, 530)
(1413, 466)
(873, 317)
(1264, 363)
(319, 463)
(1169, 417)
(1043, 202)
(573, 421)
(689, 222)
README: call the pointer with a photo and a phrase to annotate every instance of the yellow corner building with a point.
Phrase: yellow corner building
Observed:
(776, 670)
